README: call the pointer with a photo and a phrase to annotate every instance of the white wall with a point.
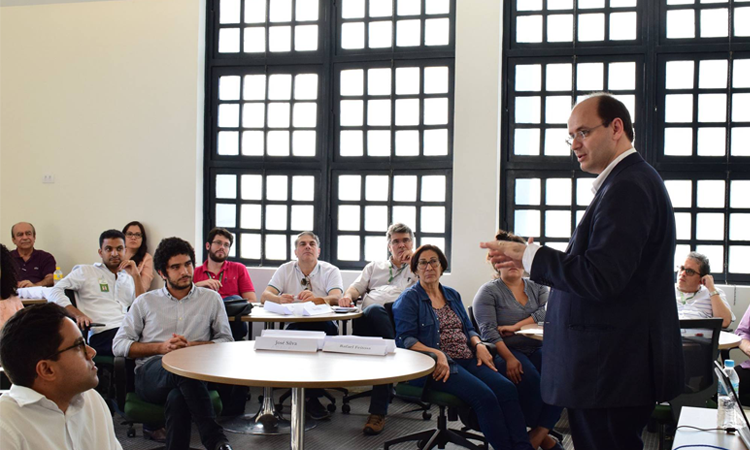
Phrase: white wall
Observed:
(108, 98)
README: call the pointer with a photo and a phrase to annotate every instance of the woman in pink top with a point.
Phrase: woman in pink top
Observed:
(136, 248)
(9, 301)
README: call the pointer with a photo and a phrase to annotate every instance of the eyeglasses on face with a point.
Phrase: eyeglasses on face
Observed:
(422, 263)
(79, 343)
(688, 272)
(221, 244)
(581, 135)
(133, 235)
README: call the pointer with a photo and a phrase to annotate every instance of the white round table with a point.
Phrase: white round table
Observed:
(267, 421)
(240, 364)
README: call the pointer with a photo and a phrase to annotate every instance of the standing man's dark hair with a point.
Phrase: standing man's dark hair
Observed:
(168, 248)
(111, 234)
(8, 278)
(29, 336)
(609, 109)
(221, 232)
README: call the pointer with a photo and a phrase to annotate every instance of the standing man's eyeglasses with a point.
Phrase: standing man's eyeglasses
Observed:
(581, 134)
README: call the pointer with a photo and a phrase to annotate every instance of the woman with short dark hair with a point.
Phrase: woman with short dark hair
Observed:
(430, 317)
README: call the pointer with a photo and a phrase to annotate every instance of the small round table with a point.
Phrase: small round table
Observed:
(267, 421)
(727, 340)
(239, 363)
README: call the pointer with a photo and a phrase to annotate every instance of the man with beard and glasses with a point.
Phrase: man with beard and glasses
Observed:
(104, 291)
(178, 315)
(229, 279)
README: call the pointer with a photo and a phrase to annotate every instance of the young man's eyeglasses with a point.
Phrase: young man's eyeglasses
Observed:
(423, 263)
(79, 343)
(581, 134)
(222, 244)
(688, 272)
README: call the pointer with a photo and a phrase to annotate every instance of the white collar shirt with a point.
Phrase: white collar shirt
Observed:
(102, 296)
(385, 278)
(323, 279)
(31, 421)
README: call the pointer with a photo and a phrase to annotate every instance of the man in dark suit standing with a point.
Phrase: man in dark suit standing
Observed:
(612, 343)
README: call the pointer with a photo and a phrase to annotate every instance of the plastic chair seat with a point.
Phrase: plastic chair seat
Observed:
(141, 411)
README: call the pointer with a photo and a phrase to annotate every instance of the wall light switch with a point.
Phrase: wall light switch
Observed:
(48, 179)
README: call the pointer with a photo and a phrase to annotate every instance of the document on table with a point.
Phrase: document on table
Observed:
(297, 309)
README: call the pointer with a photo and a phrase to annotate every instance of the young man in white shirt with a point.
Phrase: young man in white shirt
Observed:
(52, 404)
(105, 291)
(379, 283)
(695, 293)
(307, 279)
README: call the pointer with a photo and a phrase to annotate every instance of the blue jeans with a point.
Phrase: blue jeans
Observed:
(536, 412)
(184, 399)
(376, 322)
(493, 398)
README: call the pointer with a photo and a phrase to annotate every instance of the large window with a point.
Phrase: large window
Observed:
(682, 67)
(335, 117)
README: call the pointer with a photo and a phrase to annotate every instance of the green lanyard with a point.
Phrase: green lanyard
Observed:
(685, 300)
(390, 269)
(221, 275)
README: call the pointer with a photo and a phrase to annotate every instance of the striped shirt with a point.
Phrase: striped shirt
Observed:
(495, 305)
(156, 315)
(697, 305)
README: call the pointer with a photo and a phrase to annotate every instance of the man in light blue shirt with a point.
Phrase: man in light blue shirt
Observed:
(176, 316)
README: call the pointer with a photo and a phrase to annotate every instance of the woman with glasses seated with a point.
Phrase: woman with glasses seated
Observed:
(430, 317)
(501, 307)
(136, 248)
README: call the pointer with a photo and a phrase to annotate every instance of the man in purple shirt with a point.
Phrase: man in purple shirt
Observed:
(35, 267)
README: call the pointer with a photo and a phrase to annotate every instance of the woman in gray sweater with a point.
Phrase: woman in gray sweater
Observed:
(501, 307)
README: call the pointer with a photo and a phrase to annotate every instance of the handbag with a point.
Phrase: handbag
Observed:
(237, 307)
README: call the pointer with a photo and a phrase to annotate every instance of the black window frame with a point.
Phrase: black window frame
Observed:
(653, 49)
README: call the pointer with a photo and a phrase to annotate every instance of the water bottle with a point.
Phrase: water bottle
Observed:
(727, 417)
(57, 275)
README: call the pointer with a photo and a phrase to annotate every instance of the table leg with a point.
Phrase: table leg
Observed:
(298, 419)
(266, 421)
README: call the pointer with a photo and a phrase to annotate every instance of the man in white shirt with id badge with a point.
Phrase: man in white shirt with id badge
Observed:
(105, 290)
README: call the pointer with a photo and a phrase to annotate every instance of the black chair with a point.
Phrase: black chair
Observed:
(449, 406)
(136, 410)
(700, 348)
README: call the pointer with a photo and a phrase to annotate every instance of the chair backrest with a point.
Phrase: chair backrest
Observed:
(473, 319)
(700, 348)
(124, 375)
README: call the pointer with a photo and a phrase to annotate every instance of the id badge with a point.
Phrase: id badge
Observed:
(103, 286)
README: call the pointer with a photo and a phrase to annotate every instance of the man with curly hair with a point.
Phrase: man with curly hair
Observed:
(178, 315)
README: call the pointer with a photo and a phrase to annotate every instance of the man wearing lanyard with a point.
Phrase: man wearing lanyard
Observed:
(697, 297)
(379, 283)
(229, 279)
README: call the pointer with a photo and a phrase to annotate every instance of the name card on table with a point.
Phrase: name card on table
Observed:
(293, 341)
(297, 309)
(359, 345)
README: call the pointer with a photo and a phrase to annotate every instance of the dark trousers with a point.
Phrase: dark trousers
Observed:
(744, 375)
(375, 322)
(185, 400)
(102, 342)
(493, 398)
(610, 428)
(536, 412)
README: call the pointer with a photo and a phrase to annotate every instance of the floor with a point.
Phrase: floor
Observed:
(342, 431)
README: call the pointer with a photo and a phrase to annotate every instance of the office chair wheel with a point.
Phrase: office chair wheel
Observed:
(346, 409)
(260, 399)
(426, 415)
(421, 443)
(131, 432)
(331, 407)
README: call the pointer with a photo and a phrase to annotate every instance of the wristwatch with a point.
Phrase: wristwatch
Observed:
(712, 293)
